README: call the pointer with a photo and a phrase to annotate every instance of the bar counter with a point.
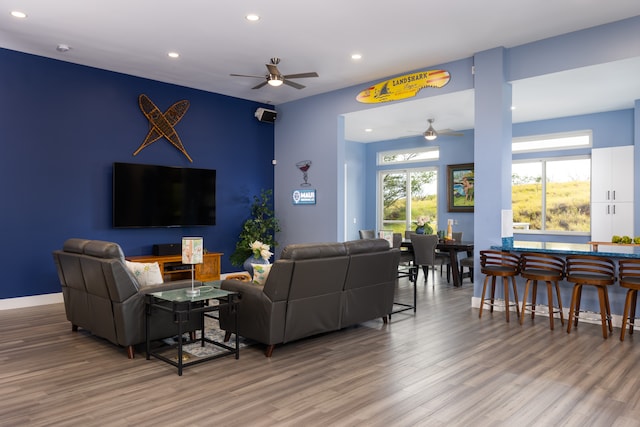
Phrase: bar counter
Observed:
(559, 248)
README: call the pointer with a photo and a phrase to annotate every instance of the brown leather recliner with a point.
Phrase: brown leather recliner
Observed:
(103, 297)
(315, 288)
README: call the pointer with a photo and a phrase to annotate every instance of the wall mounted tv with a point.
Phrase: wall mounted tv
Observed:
(163, 196)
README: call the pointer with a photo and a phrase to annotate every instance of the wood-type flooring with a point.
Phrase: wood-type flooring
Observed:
(442, 366)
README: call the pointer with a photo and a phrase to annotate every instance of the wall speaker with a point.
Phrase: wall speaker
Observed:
(264, 115)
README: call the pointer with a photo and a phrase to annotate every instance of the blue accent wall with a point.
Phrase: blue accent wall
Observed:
(62, 127)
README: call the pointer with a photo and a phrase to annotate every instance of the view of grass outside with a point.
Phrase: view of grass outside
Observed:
(421, 192)
(565, 195)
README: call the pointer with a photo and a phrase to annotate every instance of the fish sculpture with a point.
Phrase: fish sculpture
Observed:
(402, 87)
(162, 124)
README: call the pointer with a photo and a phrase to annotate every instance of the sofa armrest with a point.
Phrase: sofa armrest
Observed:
(259, 318)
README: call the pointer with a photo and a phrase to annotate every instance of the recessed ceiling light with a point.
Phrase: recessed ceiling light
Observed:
(513, 107)
(18, 14)
(252, 17)
(173, 54)
(63, 48)
(368, 130)
(356, 56)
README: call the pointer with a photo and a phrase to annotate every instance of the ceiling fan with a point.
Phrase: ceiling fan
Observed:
(275, 78)
(430, 134)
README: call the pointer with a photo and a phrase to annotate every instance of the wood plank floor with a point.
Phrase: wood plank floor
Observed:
(440, 367)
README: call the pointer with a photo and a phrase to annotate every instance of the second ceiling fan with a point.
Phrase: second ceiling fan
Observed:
(276, 78)
(430, 134)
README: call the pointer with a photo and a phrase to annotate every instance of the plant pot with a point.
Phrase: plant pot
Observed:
(253, 260)
(420, 230)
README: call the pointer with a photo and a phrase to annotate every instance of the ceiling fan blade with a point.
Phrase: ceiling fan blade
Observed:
(450, 132)
(300, 75)
(260, 85)
(273, 69)
(244, 75)
(294, 84)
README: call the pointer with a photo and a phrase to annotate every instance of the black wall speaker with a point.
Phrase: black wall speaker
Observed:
(265, 115)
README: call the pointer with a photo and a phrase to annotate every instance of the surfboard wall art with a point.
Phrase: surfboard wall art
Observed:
(403, 87)
(162, 124)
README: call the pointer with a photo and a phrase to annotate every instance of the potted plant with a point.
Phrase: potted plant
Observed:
(261, 227)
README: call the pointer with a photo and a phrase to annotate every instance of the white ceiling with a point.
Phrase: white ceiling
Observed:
(214, 40)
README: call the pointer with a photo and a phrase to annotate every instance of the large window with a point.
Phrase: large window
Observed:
(407, 195)
(552, 195)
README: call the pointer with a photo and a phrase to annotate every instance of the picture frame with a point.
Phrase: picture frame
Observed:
(460, 187)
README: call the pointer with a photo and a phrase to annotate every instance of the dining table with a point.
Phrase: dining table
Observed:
(452, 248)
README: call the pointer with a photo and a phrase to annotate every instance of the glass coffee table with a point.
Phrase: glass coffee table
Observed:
(184, 307)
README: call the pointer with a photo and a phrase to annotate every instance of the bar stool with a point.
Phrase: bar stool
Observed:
(629, 278)
(499, 264)
(593, 271)
(547, 268)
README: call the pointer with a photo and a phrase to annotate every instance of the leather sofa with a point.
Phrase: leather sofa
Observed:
(102, 296)
(315, 288)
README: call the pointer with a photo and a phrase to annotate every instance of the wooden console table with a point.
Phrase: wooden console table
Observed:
(172, 268)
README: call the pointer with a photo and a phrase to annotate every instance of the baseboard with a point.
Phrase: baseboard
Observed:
(31, 301)
(35, 300)
(543, 310)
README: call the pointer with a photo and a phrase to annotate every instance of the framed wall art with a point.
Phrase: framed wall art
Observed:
(460, 188)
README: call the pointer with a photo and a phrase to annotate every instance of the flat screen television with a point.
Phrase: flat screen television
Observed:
(163, 196)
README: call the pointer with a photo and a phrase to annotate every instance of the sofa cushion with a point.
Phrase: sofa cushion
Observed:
(146, 273)
(101, 249)
(366, 246)
(299, 251)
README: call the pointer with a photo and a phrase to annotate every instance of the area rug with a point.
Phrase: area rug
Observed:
(212, 332)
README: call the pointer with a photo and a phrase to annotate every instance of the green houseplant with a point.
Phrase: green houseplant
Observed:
(261, 226)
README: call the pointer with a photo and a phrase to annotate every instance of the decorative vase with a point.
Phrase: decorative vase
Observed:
(420, 230)
(253, 260)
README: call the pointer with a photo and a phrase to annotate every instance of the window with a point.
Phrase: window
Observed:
(552, 195)
(407, 195)
(560, 141)
(408, 156)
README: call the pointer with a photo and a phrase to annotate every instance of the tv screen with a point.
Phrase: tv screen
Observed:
(163, 196)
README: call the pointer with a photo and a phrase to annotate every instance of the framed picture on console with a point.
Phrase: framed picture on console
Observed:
(460, 188)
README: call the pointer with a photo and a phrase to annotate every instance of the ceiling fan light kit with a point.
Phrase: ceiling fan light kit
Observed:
(430, 134)
(275, 78)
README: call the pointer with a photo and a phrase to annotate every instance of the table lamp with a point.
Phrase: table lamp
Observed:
(192, 254)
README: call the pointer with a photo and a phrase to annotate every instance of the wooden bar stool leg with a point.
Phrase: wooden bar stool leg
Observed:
(632, 320)
(605, 290)
(505, 285)
(603, 310)
(493, 291)
(559, 303)
(550, 301)
(577, 306)
(524, 300)
(625, 314)
(572, 307)
(484, 289)
(515, 295)
(534, 298)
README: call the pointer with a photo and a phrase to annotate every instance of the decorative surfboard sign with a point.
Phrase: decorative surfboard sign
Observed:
(162, 124)
(403, 87)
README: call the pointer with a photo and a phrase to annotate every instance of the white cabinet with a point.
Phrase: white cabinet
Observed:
(611, 193)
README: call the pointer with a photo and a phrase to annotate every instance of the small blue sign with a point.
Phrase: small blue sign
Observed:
(304, 197)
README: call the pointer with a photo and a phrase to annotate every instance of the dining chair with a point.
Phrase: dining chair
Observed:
(457, 237)
(424, 250)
